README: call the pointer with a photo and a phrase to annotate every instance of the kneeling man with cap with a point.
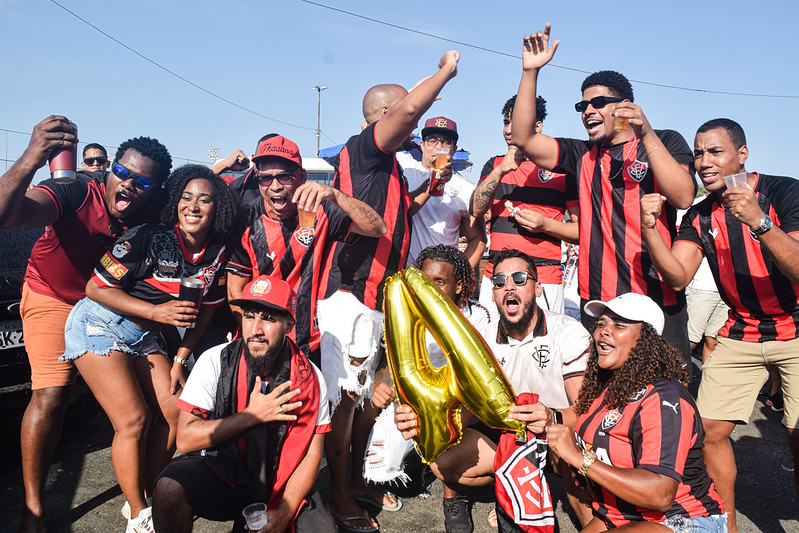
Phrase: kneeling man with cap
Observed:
(254, 411)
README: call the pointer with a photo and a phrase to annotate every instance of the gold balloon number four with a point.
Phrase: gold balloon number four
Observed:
(473, 377)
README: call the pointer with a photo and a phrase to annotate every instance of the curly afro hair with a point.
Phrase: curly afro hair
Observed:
(225, 218)
(652, 358)
(540, 108)
(464, 273)
(618, 84)
(152, 149)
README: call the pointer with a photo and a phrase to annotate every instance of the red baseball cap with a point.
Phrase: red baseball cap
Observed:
(278, 146)
(440, 125)
(269, 292)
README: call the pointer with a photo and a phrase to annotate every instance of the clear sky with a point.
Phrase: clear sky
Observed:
(265, 55)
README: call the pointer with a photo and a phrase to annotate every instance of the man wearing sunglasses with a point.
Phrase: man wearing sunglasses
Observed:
(95, 158)
(273, 242)
(527, 208)
(541, 352)
(623, 159)
(441, 219)
(84, 219)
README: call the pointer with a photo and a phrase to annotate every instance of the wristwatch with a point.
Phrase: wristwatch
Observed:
(589, 456)
(557, 416)
(765, 224)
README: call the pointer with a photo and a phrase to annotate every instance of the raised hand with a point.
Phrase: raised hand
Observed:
(450, 59)
(536, 51)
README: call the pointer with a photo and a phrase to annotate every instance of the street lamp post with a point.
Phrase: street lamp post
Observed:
(318, 113)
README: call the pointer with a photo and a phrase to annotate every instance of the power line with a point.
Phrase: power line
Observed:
(175, 74)
(505, 54)
(108, 147)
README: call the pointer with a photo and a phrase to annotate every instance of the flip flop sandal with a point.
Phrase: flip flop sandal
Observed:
(372, 500)
(365, 516)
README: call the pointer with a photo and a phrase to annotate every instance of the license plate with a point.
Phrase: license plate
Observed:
(11, 335)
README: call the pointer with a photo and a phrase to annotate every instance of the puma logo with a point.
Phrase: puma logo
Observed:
(713, 232)
(673, 406)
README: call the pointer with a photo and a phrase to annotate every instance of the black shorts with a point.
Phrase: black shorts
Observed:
(213, 498)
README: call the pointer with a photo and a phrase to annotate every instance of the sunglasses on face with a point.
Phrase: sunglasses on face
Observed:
(284, 178)
(95, 160)
(141, 182)
(432, 139)
(518, 278)
(597, 102)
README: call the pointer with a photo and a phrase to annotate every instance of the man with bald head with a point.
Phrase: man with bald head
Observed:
(350, 316)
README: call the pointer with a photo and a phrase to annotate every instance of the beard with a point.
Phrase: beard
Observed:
(262, 365)
(522, 324)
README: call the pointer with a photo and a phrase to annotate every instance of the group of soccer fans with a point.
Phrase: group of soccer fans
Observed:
(293, 272)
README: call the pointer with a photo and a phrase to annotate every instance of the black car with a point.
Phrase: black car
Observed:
(15, 371)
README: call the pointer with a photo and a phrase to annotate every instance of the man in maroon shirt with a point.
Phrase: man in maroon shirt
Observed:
(83, 218)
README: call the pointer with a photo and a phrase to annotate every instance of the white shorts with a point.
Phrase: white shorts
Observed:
(551, 298)
(349, 330)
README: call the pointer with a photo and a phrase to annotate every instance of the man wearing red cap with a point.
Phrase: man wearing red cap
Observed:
(257, 408)
(273, 240)
(350, 317)
(442, 218)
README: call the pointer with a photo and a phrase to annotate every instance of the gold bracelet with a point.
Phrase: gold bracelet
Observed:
(589, 456)
(655, 148)
(184, 362)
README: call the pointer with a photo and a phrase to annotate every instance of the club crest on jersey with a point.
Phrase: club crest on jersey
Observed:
(637, 170)
(304, 236)
(121, 249)
(545, 175)
(527, 490)
(611, 419)
(208, 274)
(541, 356)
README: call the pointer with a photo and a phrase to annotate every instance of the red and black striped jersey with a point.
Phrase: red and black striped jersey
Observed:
(149, 261)
(764, 303)
(283, 249)
(659, 430)
(367, 173)
(529, 187)
(611, 181)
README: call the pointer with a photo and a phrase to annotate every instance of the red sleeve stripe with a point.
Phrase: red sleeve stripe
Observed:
(199, 412)
(323, 428)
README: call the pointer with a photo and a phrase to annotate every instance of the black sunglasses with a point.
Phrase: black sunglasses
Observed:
(597, 102)
(284, 178)
(141, 182)
(95, 160)
(518, 278)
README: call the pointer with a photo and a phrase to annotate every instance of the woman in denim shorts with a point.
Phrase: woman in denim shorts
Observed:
(113, 333)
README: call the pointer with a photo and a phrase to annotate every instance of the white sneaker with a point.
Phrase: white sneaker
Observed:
(126, 507)
(142, 523)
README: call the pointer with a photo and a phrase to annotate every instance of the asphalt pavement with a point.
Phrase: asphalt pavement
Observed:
(83, 496)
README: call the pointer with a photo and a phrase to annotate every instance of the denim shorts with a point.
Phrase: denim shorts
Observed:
(704, 524)
(93, 327)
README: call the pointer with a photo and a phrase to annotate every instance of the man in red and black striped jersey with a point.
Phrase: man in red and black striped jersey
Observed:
(274, 242)
(527, 205)
(83, 219)
(623, 158)
(350, 317)
(750, 237)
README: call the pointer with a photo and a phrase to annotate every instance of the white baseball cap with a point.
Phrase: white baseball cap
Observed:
(633, 307)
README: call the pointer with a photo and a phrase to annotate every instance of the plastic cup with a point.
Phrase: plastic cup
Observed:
(436, 185)
(307, 218)
(255, 515)
(621, 123)
(737, 180)
(191, 290)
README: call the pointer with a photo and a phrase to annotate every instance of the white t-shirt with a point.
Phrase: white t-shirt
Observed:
(200, 389)
(439, 219)
(555, 351)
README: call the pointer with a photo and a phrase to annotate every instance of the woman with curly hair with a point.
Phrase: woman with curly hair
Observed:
(639, 436)
(113, 333)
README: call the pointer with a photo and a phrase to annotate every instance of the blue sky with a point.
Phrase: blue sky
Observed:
(266, 55)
